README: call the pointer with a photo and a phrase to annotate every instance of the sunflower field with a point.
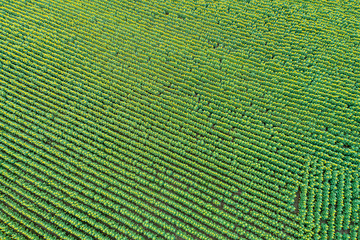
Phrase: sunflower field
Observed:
(180, 119)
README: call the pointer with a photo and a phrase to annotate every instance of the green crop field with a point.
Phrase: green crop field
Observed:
(179, 119)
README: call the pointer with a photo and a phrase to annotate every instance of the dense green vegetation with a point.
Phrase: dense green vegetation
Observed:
(179, 119)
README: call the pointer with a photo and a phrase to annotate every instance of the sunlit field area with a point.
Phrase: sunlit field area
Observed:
(179, 120)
